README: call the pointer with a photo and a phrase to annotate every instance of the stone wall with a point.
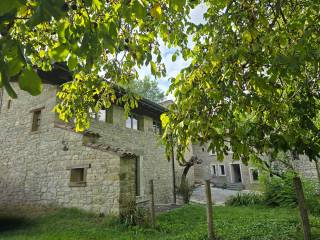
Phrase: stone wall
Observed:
(145, 144)
(35, 166)
(306, 168)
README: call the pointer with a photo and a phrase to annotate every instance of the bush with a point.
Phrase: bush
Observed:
(281, 192)
(131, 215)
(245, 199)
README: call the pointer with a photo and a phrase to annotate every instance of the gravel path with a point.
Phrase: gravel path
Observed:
(219, 195)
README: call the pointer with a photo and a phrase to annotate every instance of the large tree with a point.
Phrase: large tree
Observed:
(102, 42)
(254, 80)
(147, 88)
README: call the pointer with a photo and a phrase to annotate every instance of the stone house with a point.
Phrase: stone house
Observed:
(43, 161)
(235, 174)
(227, 174)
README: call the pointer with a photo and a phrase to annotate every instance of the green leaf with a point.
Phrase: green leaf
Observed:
(174, 57)
(7, 6)
(46, 10)
(156, 11)
(139, 10)
(177, 5)
(153, 68)
(96, 4)
(72, 62)
(6, 84)
(60, 53)
(30, 81)
(62, 31)
(13, 56)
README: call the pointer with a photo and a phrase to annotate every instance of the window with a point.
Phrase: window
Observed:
(254, 175)
(77, 177)
(101, 115)
(222, 170)
(137, 177)
(132, 122)
(157, 129)
(36, 120)
(213, 170)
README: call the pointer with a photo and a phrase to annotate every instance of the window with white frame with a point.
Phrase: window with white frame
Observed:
(222, 170)
(254, 175)
(132, 122)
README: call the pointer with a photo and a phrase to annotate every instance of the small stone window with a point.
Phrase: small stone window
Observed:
(36, 119)
(78, 175)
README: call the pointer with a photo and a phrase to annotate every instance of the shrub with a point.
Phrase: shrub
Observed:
(245, 199)
(281, 192)
(131, 215)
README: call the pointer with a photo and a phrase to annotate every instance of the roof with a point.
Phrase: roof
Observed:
(60, 75)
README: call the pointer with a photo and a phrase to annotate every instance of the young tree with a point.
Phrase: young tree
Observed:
(94, 38)
(147, 88)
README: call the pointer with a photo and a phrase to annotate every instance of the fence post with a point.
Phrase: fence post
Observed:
(152, 209)
(302, 207)
(211, 235)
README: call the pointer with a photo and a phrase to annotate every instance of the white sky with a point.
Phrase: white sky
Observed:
(173, 68)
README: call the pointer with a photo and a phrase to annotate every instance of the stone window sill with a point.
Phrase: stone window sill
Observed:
(35, 132)
(141, 199)
(77, 184)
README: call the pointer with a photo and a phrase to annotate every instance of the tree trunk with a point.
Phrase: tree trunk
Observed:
(318, 169)
(184, 174)
(302, 208)
(184, 187)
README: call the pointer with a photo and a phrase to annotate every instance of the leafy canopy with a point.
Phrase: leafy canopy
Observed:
(101, 41)
(254, 83)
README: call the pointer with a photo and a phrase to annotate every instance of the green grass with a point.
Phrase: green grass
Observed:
(186, 223)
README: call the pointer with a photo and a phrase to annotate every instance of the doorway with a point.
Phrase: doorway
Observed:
(236, 173)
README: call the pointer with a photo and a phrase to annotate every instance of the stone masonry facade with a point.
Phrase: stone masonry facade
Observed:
(237, 173)
(36, 166)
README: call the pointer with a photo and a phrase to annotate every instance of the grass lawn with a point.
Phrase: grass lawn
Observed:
(189, 222)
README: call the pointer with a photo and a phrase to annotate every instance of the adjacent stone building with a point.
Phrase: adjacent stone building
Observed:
(236, 175)
(43, 161)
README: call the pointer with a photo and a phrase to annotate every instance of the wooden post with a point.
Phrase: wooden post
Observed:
(211, 235)
(152, 209)
(302, 208)
(173, 178)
